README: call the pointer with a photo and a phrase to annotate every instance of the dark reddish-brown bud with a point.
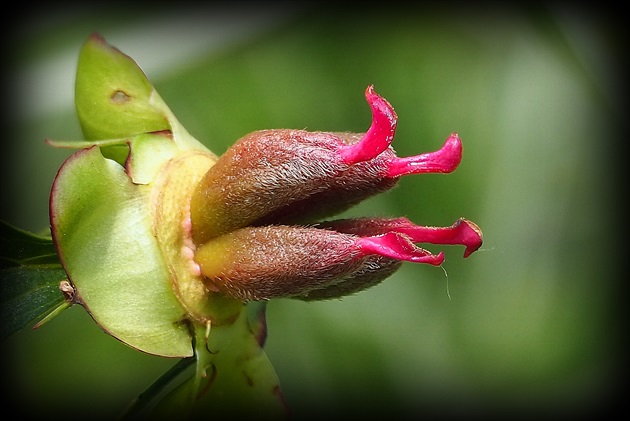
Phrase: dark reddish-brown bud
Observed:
(245, 212)
(289, 176)
(256, 263)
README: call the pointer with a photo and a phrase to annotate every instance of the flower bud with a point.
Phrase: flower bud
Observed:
(373, 271)
(377, 268)
(295, 176)
(259, 263)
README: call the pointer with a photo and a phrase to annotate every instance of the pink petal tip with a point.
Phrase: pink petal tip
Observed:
(444, 160)
(398, 246)
(380, 134)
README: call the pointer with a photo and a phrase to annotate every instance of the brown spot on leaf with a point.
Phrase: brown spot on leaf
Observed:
(120, 97)
(248, 379)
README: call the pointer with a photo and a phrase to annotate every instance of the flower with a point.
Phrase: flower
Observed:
(161, 239)
(166, 245)
(258, 216)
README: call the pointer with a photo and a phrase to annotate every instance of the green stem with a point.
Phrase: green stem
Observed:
(204, 358)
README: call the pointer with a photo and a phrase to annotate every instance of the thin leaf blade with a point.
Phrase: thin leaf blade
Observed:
(30, 274)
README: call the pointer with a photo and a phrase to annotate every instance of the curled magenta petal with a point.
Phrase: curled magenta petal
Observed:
(400, 247)
(463, 232)
(380, 134)
(444, 160)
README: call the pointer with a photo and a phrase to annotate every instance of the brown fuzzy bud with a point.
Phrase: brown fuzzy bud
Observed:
(244, 211)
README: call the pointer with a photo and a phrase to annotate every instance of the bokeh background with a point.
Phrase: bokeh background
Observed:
(529, 325)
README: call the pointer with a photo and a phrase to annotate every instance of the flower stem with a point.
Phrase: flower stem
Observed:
(145, 399)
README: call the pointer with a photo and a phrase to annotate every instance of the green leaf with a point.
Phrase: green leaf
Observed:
(114, 99)
(113, 95)
(30, 274)
(18, 247)
(117, 221)
(29, 293)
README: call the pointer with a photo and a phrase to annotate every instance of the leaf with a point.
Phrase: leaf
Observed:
(112, 94)
(114, 99)
(117, 221)
(18, 247)
(30, 274)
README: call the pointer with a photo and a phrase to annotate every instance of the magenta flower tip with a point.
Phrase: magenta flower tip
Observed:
(398, 246)
(380, 134)
(444, 160)
(470, 235)
(462, 232)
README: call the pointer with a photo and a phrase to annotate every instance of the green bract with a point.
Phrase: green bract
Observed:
(110, 106)
(119, 214)
(117, 229)
(104, 234)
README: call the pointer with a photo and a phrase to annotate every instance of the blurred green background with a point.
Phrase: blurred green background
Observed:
(527, 325)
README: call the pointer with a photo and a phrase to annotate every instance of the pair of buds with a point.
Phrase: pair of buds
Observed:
(259, 216)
